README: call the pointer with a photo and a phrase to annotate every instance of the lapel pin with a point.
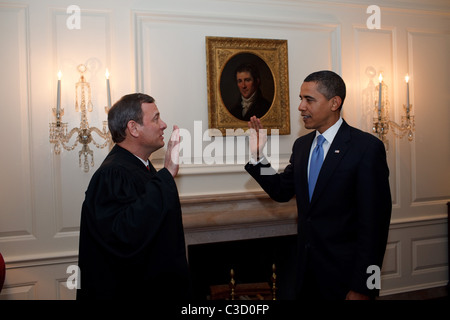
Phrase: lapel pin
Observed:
(337, 151)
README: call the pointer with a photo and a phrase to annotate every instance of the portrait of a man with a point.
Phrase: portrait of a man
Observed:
(244, 90)
(247, 77)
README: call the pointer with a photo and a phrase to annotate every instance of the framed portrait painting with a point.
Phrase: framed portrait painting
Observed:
(247, 77)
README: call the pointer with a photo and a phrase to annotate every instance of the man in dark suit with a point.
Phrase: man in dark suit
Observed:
(343, 222)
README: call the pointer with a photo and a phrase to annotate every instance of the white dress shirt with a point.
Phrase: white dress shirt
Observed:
(329, 135)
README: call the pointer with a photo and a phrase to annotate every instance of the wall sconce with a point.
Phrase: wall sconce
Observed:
(58, 130)
(382, 124)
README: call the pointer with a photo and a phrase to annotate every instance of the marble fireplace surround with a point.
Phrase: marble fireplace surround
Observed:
(236, 216)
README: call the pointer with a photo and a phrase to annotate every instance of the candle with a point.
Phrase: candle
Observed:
(108, 89)
(58, 95)
(380, 86)
(407, 93)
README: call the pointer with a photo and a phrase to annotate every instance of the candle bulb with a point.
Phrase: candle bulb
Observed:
(407, 93)
(380, 86)
(108, 89)
(58, 95)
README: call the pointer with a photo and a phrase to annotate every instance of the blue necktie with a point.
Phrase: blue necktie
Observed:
(315, 165)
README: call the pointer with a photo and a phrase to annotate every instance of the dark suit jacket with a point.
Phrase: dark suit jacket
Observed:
(344, 229)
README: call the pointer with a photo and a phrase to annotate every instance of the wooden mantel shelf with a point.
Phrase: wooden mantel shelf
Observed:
(235, 209)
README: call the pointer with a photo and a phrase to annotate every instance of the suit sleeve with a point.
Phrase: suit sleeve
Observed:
(124, 220)
(279, 186)
(374, 207)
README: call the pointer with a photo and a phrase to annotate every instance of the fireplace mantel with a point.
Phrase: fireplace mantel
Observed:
(236, 216)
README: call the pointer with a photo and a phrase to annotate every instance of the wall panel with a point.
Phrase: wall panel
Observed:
(89, 45)
(171, 55)
(16, 196)
(429, 255)
(25, 291)
(41, 279)
(368, 67)
(422, 257)
(392, 263)
(430, 69)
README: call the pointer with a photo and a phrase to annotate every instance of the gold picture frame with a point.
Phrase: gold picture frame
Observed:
(223, 57)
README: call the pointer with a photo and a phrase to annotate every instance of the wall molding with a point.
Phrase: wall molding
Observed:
(23, 223)
(43, 259)
(98, 60)
(198, 217)
(417, 199)
(144, 21)
(434, 7)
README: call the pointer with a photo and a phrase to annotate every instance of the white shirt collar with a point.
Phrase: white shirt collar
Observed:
(329, 135)
(145, 162)
(331, 132)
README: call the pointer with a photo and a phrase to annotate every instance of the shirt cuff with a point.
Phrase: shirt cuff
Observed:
(254, 162)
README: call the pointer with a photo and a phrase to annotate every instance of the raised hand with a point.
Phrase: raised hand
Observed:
(258, 138)
(172, 157)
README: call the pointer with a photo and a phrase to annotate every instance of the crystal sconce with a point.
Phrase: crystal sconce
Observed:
(381, 122)
(59, 134)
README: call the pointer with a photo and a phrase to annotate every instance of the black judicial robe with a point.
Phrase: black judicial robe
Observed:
(131, 235)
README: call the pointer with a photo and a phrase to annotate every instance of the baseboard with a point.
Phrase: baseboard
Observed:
(440, 292)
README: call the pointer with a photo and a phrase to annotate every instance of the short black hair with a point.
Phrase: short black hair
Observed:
(330, 84)
(250, 68)
(126, 109)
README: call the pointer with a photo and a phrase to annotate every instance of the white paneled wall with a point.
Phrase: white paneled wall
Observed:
(158, 47)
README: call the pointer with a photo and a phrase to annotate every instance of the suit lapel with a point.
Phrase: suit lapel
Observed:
(303, 166)
(335, 154)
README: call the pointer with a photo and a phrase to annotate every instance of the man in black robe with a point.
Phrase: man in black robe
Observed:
(131, 235)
